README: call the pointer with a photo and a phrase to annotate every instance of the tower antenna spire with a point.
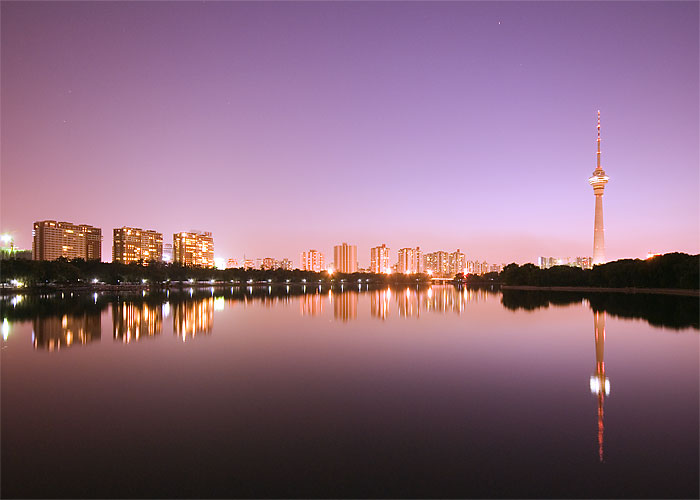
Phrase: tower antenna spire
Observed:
(598, 141)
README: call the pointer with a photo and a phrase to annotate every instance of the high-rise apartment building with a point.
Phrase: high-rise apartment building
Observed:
(437, 263)
(231, 263)
(286, 264)
(410, 261)
(52, 240)
(457, 263)
(193, 248)
(379, 260)
(312, 261)
(132, 244)
(268, 263)
(345, 258)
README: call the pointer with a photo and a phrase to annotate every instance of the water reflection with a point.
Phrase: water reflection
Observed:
(65, 319)
(54, 332)
(311, 304)
(344, 305)
(600, 385)
(193, 317)
(132, 321)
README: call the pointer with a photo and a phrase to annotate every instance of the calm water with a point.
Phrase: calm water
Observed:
(268, 392)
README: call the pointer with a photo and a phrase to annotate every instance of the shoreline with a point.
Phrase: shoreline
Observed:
(628, 290)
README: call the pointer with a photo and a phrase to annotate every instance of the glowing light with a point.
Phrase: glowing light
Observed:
(331, 271)
(5, 329)
(430, 272)
(6, 238)
(219, 263)
(94, 280)
(219, 303)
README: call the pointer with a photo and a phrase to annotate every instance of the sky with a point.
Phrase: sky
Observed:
(284, 127)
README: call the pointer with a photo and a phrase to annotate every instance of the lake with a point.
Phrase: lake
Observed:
(291, 391)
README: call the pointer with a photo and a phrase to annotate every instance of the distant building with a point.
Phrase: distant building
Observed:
(457, 263)
(167, 252)
(345, 258)
(132, 244)
(52, 240)
(268, 263)
(248, 264)
(193, 248)
(286, 264)
(410, 261)
(312, 261)
(547, 262)
(231, 263)
(379, 260)
(437, 263)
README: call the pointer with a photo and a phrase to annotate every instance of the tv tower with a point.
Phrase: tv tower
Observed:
(598, 180)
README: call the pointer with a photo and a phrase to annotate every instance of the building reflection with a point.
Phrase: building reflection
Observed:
(600, 385)
(132, 321)
(380, 303)
(411, 301)
(193, 317)
(311, 304)
(344, 305)
(54, 332)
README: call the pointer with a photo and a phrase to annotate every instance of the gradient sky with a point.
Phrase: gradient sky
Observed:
(287, 126)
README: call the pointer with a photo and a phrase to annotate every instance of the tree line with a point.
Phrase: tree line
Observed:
(75, 271)
(672, 270)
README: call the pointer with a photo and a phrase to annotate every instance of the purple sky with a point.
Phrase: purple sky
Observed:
(287, 126)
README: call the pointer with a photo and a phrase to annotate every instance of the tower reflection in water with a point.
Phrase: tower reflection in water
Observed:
(132, 321)
(193, 317)
(54, 332)
(600, 385)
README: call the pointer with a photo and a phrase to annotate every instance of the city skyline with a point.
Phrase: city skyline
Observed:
(456, 125)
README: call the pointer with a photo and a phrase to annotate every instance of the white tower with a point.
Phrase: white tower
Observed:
(598, 180)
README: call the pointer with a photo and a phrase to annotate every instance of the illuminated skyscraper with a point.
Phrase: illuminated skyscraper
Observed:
(598, 180)
(131, 244)
(410, 261)
(379, 259)
(193, 248)
(52, 239)
(345, 258)
(312, 261)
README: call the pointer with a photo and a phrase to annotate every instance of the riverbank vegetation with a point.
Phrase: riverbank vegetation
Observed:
(672, 270)
(75, 272)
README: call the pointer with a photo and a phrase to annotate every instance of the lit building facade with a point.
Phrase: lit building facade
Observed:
(547, 262)
(167, 252)
(52, 240)
(345, 258)
(193, 248)
(132, 244)
(286, 264)
(457, 263)
(268, 263)
(312, 261)
(410, 261)
(598, 180)
(231, 263)
(379, 260)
